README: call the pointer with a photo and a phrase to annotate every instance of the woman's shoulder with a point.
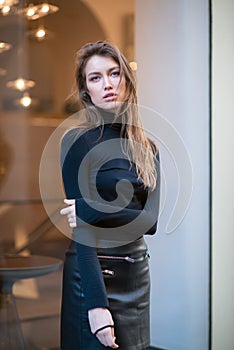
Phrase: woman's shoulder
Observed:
(73, 133)
(79, 136)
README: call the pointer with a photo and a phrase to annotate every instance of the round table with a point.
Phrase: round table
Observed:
(12, 268)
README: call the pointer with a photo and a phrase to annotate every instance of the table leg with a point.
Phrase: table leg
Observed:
(11, 337)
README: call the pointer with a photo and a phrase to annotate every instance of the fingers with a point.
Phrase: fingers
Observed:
(66, 211)
(70, 211)
(69, 201)
(70, 208)
(107, 338)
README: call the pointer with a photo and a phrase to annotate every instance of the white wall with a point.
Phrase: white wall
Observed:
(172, 51)
(223, 175)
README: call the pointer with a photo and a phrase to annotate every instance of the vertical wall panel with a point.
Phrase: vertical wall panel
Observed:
(172, 52)
(223, 174)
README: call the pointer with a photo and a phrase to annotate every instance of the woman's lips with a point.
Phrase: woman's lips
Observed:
(110, 97)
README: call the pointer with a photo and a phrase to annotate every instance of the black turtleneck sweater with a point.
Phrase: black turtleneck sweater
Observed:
(96, 173)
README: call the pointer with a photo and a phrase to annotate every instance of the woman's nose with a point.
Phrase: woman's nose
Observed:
(107, 83)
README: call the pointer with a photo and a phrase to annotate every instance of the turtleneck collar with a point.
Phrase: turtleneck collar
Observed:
(108, 117)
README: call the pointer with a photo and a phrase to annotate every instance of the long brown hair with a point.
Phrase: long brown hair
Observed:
(137, 146)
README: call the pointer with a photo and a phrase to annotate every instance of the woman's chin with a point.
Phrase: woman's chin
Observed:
(110, 106)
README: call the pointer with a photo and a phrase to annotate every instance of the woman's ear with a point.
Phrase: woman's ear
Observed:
(85, 95)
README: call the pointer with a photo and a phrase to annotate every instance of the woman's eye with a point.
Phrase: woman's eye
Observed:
(94, 78)
(115, 73)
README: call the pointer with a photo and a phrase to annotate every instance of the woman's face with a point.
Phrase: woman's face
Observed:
(104, 85)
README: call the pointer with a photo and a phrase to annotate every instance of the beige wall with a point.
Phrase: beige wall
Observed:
(223, 175)
(116, 19)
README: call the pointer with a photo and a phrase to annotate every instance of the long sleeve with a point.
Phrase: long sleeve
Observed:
(90, 270)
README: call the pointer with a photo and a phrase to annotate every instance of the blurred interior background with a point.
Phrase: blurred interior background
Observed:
(38, 45)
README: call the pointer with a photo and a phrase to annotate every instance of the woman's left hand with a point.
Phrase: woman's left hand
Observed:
(102, 325)
(70, 211)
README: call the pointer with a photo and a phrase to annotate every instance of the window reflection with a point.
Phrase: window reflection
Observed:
(28, 116)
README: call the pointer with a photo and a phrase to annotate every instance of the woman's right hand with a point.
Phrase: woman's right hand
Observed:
(98, 318)
(70, 211)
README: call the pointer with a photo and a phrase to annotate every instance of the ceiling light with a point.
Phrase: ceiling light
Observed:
(34, 12)
(30, 11)
(21, 84)
(5, 10)
(45, 8)
(6, 6)
(26, 100)
(8, 3)
(4, 46)
(40, 34)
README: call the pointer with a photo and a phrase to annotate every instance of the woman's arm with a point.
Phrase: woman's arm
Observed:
(89, 266)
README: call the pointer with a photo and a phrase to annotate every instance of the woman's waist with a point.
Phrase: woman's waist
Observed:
(131, 252)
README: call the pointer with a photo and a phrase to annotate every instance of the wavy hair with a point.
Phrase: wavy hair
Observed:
(137, 146)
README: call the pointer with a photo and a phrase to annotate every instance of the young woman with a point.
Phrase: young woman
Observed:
(111, 177)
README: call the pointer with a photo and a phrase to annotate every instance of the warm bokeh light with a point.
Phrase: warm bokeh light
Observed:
(30, 11)
(8, 3)
(34, 12)
(45, 8)
(26, 100)
(4, 46)
(133, 65)
(21, 84)
(40, 34)
(5, 10)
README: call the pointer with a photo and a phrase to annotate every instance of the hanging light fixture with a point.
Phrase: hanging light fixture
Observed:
(33, 12)
(21, 84)
(40, 34)
(4, 46)
(7, 5)
(6, 10)
(26, 101)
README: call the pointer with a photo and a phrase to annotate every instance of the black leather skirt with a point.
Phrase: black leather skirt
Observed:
(126, 275)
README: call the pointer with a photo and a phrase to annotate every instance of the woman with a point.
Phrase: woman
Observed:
(111, 179)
